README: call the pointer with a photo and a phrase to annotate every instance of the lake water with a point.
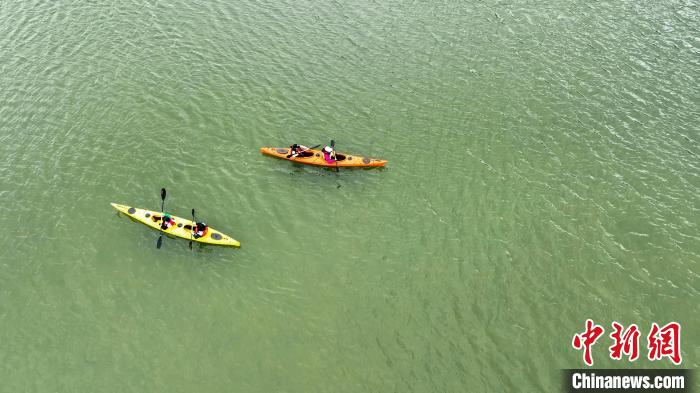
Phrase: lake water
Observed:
(543, 169)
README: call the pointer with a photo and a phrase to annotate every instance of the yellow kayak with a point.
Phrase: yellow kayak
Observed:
(180, 229)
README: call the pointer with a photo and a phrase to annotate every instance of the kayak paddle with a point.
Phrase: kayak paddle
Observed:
(335, 157)
(194, 224)
(162, 205)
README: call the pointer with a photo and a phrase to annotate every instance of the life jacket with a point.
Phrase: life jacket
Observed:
(327, 157)
(296, 150)
(200, 233)
(327, 151)
(168, 224)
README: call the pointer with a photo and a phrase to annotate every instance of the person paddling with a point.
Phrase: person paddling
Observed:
(200, 229)
(329, 155)
(167, 221)
(295, 150)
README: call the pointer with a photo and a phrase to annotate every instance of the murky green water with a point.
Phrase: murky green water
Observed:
(543, 169)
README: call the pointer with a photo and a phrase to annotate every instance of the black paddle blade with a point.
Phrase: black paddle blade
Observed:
(334, 156)
(160, 242)
(194, 224)
(162, 193)
(313, 147)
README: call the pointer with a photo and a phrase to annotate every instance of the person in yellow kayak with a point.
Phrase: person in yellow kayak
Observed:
(295, 150)
(200, 229)
(166, 220)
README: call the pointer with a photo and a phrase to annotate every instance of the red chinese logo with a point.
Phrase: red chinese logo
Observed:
(663, 342)
(627, 343)
(586, 340)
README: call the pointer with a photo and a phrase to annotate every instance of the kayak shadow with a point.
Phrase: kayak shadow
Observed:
(323, 170)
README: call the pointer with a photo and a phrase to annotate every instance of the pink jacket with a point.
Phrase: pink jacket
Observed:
(328, 158)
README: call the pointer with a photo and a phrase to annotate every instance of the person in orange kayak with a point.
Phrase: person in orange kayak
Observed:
(295, 150)
(200, 230)
(329, 154)
(167, 221)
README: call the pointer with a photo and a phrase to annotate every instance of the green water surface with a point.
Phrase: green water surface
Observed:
(543, 169)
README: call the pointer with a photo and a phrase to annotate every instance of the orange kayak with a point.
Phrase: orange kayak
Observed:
(315, 157)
